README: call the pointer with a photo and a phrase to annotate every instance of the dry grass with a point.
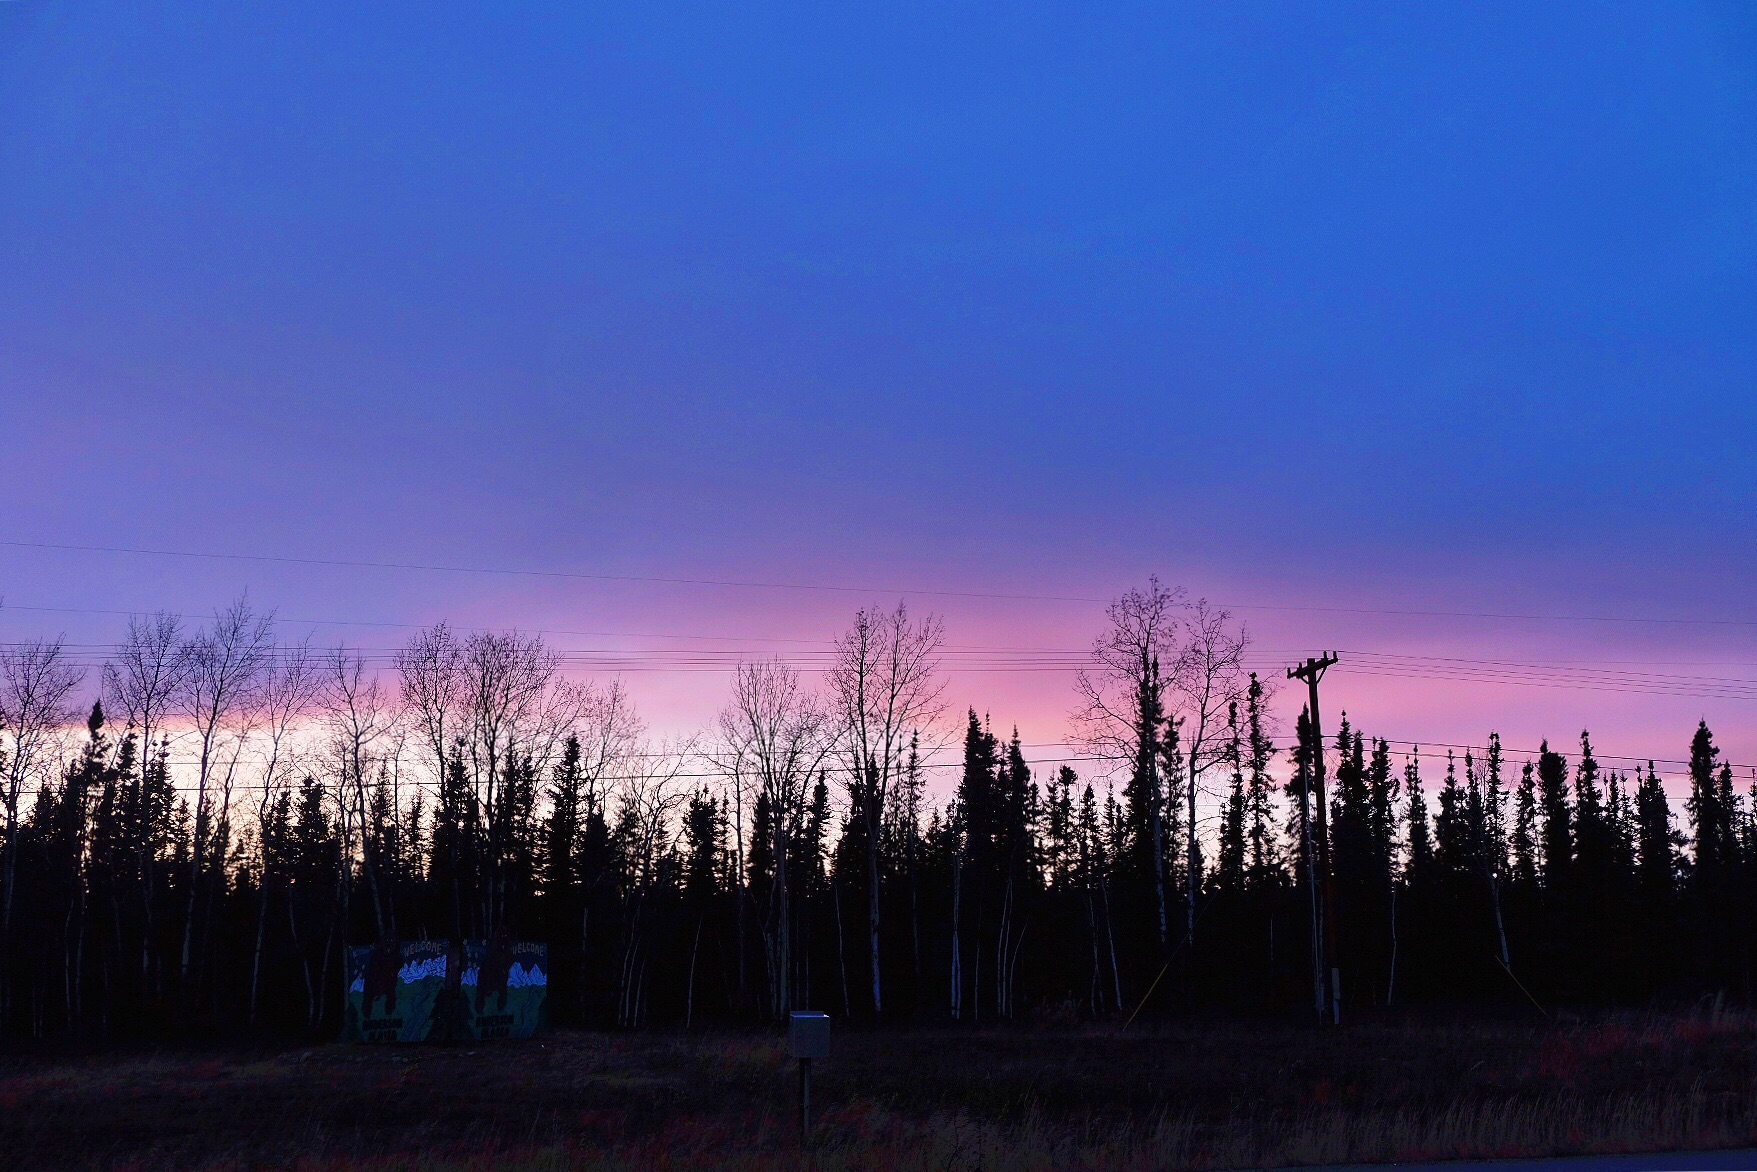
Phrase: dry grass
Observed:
(1209, 1096)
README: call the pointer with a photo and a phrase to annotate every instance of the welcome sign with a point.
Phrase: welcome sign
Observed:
(420, 991)
(505, 987)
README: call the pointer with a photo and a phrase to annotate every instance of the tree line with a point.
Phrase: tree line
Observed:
(193, 837)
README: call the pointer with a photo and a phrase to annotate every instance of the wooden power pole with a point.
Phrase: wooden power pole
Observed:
(1311, 671)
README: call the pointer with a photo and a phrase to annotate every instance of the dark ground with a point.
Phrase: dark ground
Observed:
(1208, 1095)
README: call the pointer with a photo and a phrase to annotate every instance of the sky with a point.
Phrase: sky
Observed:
(1317, 311)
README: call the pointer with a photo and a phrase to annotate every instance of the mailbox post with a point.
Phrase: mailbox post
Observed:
(808, 1037)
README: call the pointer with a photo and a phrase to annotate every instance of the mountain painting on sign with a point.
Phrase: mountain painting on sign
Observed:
(393, 988)
(505, 987)
(407, 992)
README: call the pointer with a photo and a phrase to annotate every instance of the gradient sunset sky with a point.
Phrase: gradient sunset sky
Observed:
(1319, 311)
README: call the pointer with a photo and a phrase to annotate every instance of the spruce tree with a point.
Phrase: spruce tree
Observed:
(1658, 864)
(1148, 810)
(560, 840)
(1451, 833)
(1525, 838)
(1594, 849)
(1557, 839)
(1710, 820)
(1265, 855)
(1229, 871)
(1495, 808)
(1415, 820)
(1382, 794)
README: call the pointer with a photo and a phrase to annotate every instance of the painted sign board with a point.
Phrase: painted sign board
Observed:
(504, 987)
(438, 991)
(393, 989)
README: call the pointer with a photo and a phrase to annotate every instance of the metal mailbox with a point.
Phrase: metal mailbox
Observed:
(808, 1034)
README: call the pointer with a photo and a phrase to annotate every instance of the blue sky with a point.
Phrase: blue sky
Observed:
(1431, 308)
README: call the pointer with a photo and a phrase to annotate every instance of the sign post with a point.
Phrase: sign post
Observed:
(808, 1037)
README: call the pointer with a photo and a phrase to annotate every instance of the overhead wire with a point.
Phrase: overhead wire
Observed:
(1362, 663)
(1573, 675)
(288, 559)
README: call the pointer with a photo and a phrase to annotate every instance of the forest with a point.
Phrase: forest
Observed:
(197, 826)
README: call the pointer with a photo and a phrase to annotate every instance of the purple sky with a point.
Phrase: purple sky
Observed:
(1376, 309)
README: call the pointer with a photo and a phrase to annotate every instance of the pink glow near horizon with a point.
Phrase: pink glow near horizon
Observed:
(1036, 697)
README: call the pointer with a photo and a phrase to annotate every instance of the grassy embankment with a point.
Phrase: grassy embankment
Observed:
(1199, 1096)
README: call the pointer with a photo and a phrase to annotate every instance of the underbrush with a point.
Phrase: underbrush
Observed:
(1180, 1096)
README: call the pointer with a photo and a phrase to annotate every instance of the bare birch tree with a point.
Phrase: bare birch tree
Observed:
(773, 734)
(608, 730)
(143, 682)
(1121, 710)
(225, 664)
(430, 670)
(609, 733)
(147, 673)
(288, 693)
(357, 715)
(1208, 680)
(36, 683)
(648, 799)
(496, 706)
(884, 687)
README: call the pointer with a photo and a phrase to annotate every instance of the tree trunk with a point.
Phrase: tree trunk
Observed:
(11, 880)
(1116, 977)
(366, 863)
(841, 948)
(1097, 965)
(915, 927)
(1500, 927)
(195, 859)
(585, 930)
(304, 968)
(742, 892)
(976, 975)
(783, 923)
(1191, 863)
(256, 952)
(1391, 985)
(872, 909)
(957, 990)
(1159, 867)
(689, 997)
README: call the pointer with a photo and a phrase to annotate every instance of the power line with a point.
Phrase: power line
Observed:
(1473, 614)
(1259, 656)
(279, 618)
(1568, 671)
(650, 579)
(93, 656)
(286, 559)
(258, 787)
(1407, 746)
(644, 663)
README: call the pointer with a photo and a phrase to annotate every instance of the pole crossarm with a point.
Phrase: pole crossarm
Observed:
(1312, 670)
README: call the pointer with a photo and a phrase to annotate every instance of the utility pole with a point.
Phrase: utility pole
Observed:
(1309, 857)
(1311, 671)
